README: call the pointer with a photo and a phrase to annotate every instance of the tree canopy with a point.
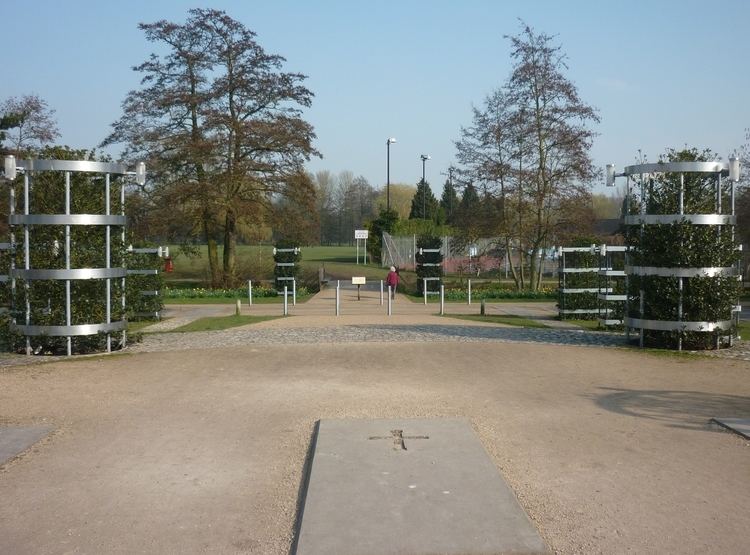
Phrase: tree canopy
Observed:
(528, 146)
(221, 126)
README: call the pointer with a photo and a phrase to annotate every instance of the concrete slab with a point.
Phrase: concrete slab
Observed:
(737, 425)
(15, 440)
(409, 486)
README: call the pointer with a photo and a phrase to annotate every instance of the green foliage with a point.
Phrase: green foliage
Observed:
(385, 222)
(424, 205)
(448, 202)
(47, 298)
(425, 269)
(682, 245)
(279, 257)
(217, 293)
(421, 227)
(579, 280)
(140, 305)
(495, 293)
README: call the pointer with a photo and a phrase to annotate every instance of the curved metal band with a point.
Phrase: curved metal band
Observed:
(72, 166)
(670, 325)
(697, 219)
(64, 219)
(678, 167)
(69, 331)
(680, 272)
(79, 273)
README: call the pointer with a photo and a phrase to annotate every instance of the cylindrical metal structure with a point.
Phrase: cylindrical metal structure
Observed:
(67, 266)
(681, 273)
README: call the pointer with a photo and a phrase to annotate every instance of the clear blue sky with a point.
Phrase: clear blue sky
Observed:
(662, 73)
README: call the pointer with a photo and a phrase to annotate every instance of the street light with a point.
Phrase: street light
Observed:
(10, 167)
(388, 172)
(424, 158)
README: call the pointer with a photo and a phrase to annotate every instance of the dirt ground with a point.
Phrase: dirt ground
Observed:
(608, 450)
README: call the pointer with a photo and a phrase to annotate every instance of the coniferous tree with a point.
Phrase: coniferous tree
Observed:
(449, 202)
(424, 205)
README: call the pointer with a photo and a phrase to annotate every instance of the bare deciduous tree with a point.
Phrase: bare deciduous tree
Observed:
(528, 146)
(222, 124)
(29, 124)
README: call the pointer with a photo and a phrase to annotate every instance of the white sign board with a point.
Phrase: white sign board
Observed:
(472, 251)
(358, 281)
(360, 233)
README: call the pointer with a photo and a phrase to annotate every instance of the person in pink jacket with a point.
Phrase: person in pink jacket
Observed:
(392, 281)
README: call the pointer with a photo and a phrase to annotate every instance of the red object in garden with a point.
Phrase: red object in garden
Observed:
(168, 264)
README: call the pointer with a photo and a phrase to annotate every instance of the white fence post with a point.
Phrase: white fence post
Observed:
(424, 290)
(469, 291)
(381, 292)
(442, 300)
(286, 302)
(294, 292)
(389, 301)
(338, 285)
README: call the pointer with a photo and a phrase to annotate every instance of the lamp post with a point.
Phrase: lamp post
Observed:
(424, 158)
(388, 172)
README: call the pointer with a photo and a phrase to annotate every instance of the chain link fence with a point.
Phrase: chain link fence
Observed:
(478, 257)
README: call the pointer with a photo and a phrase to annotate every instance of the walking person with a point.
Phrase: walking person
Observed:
(392, 281)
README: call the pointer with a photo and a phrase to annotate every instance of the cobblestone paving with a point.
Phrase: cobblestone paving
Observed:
(373, 333)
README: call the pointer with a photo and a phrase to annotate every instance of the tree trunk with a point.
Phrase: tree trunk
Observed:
(534, 270)
(213, 257)
(230, 247)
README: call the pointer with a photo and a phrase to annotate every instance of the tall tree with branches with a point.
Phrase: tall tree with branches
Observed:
(27, 123)
(221, 122)
(529, 145)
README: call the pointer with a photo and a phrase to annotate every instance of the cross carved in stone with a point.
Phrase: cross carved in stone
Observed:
(398, 438)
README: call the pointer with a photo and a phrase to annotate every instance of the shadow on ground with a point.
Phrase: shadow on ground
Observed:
(691, 410)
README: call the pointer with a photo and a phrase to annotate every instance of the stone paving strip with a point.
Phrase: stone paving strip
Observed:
(371, 333)
(254, 335)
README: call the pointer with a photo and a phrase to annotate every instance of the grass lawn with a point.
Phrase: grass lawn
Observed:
(587, 324)
(222, 323)
(509, 320)
(135, 327)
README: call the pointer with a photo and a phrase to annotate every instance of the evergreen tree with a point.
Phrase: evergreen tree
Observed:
(424, 205)
(449, 202)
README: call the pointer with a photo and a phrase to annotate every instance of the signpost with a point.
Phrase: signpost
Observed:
(360, 234)
(359, 282)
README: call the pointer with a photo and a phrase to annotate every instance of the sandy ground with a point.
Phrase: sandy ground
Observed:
(608, 450)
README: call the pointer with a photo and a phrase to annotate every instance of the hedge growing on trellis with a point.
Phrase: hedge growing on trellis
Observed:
(287, 257)
(683, 284)
(429, 264)
(578, 283)
(65, 274)
(40, 301)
